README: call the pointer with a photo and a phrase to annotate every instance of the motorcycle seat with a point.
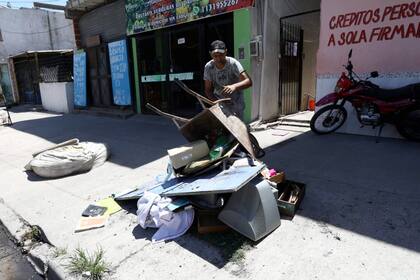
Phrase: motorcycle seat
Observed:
(407, 92)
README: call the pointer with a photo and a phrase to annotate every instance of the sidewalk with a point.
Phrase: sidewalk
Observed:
(359, 219)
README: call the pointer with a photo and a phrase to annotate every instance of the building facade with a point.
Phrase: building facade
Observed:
(23, 30)
(284, 45)
(178, 48)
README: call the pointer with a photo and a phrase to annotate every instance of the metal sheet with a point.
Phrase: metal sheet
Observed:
(108, 21)
(226, 181)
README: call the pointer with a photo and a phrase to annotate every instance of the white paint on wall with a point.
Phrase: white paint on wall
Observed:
(267, 14)
(34, 29)
(57, 97)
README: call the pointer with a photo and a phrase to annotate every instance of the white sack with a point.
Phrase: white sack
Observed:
(69, 159)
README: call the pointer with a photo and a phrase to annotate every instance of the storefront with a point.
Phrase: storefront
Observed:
(306, 43)
(384, 36)
(170, 40)
(286, 33)
(101, 66)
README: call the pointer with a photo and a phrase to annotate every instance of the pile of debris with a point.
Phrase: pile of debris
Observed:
(217, 178)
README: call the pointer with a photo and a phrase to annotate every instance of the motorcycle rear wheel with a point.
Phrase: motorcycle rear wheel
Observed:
(328, 119)
(408, 124)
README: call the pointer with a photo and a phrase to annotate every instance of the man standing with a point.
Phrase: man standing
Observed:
(224, 77)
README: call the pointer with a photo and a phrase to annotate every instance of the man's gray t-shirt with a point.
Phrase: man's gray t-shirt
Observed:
(227, 76)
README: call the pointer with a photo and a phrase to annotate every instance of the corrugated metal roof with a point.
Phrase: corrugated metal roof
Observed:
(84, 5)
(28, 53)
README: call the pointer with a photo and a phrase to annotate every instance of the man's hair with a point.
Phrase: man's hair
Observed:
(218, 46)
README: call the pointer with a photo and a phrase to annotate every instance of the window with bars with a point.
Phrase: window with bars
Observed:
(56, 68)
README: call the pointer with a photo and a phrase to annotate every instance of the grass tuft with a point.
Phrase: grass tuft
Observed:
(33, 234)
(93, 266)
(59, 251)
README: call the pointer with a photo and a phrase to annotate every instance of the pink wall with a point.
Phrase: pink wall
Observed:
(384, 35)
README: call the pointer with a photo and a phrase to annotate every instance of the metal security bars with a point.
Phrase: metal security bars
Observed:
(290, 64)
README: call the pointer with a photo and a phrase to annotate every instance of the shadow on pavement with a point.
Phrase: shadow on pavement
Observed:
(133, 142)
(140, 233)
(369, 188)
(352, 183)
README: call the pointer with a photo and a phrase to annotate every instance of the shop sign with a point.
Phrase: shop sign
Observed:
(182, 76)
(118, 61)
(384, 35)
(153, 78)
(146, 15)
(79, 79)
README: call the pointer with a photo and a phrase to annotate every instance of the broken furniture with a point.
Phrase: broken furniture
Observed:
(251, 207)
(207, 221)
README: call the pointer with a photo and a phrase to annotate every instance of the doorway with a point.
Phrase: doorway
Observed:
(299, 41)
(291, 37)
(178, 52)
(185, 64)
(6, 84)
(99, 84)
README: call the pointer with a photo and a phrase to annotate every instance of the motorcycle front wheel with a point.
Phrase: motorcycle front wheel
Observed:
(408, 124)
(328, 119)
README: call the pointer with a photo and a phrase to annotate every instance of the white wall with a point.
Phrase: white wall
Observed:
(30, 30)
(267, 14)
(310, 23)
(57, 97)
(62, 32)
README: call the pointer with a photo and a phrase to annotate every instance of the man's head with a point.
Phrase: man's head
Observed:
(218, 51)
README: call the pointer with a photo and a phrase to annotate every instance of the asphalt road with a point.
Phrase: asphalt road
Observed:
(13, 265)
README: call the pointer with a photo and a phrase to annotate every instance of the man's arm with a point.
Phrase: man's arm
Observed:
(244, 82)
(208, 90)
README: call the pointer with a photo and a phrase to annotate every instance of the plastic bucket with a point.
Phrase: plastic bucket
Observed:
(311, 104)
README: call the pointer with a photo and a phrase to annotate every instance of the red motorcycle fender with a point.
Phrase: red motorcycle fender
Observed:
(329, 98)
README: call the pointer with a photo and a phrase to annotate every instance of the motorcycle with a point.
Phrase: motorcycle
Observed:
(374, 106)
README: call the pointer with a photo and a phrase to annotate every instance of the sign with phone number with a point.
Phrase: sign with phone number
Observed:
(146, 15)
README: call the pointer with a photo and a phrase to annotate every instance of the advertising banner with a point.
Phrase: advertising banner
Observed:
(384, 36)
(79, 79)
(118, 61)
(146, 15)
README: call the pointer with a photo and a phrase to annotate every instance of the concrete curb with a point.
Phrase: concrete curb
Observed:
(39, 254)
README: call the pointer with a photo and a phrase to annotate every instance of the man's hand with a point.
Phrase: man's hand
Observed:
(228, 90)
